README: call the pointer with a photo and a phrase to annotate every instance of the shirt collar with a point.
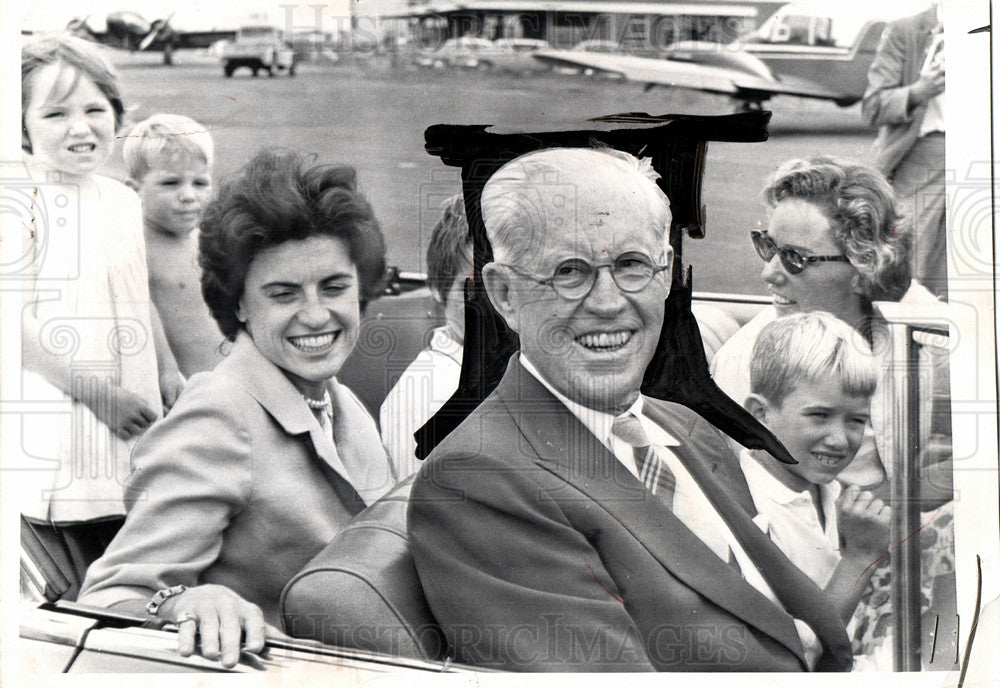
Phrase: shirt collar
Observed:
(598, 422)
(777, 491)
(444, 343)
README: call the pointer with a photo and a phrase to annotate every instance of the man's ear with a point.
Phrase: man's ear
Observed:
(758, 407)
(496, 279)
(668, 252)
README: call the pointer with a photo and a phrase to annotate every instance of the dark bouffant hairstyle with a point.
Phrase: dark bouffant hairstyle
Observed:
(283, 196)
(864, 216)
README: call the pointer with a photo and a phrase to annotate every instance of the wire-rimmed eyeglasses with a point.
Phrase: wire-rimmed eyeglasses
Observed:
(793, 260)
(574, 278)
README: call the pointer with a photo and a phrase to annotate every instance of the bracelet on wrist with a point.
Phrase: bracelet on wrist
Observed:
(161, 596)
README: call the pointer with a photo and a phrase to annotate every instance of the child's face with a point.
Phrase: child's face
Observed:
(821, 426)
(71, 128)
(174, 193)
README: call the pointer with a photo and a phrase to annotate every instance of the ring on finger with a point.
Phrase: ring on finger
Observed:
(186, 616)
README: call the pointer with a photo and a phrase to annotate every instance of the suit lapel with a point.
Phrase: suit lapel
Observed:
(565, 447)
(278, 396)
(727, 473)
(797, 593)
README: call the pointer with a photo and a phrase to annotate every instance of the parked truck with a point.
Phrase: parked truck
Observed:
(259, 48)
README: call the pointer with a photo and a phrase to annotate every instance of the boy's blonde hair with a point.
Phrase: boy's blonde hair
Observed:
(806, 347)
(165, 134)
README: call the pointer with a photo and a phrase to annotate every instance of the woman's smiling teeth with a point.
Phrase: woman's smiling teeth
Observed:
(83, 147)
(604, 341)
(313, 343)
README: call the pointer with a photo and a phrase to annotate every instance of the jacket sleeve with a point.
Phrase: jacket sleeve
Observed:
(885, 99)
(510, 580)
(190, 477)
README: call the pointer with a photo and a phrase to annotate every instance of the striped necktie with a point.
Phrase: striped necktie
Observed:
(653, 472)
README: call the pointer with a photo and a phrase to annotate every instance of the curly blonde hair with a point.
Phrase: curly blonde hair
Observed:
(864, 217)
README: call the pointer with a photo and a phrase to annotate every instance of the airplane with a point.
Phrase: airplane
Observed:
(808, 49)
(130, 31)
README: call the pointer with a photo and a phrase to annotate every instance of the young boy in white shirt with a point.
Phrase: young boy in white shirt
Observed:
(812, 377)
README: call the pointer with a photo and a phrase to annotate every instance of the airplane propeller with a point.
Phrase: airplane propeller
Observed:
(159, 29)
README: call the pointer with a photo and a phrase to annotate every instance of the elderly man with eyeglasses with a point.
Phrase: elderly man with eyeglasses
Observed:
(571, 523)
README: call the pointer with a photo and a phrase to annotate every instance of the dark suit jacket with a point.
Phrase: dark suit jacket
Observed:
(538, 550)
(896, 66)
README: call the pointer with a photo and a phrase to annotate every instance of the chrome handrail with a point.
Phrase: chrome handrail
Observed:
(909, 328)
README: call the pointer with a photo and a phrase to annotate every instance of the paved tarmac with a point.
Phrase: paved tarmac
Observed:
(372, 114)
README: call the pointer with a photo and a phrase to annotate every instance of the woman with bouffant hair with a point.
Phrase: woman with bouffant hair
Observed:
(276, 199)
(265, 458)
(835, 241)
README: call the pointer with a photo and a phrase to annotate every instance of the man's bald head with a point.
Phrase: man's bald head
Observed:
(538, 189)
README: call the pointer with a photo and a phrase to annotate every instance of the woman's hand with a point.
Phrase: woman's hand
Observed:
(221, 618)
(126, 413)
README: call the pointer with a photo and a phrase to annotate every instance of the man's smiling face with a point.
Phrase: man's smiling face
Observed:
(593, 349)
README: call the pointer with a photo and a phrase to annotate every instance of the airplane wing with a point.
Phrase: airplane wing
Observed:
(692, 75)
